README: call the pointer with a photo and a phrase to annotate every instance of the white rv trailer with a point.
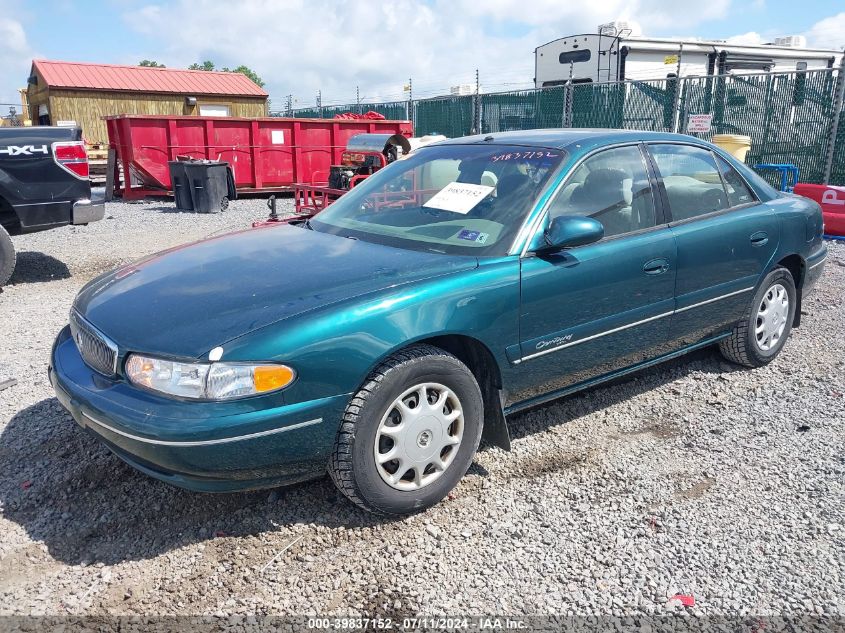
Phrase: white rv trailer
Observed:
(613, 54)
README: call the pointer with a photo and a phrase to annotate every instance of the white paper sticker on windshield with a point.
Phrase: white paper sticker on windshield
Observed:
(459, 197)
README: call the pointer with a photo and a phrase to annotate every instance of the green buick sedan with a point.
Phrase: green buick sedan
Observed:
(384, 338)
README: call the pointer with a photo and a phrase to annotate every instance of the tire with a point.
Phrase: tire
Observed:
(749, 346)
(374, 427)
(7, 257)
(224, 203)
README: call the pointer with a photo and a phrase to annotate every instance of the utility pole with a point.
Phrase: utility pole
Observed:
(358, 98)
(676, 97)
(838, 104)
(409, 106)
(476, 110)
(320, 103)
(289, 105)
(567, 98)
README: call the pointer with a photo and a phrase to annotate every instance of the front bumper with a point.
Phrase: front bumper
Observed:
(212, 447)
(86, 211)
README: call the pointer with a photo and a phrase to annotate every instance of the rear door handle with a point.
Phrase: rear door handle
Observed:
(760, 238)
(656, 266)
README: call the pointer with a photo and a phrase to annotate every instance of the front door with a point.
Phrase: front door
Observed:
(725, 238)
(590, 310)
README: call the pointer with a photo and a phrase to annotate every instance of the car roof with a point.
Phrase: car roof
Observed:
(580, 141)
(558, 138)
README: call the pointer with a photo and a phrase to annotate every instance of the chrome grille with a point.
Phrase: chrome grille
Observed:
(96, 349)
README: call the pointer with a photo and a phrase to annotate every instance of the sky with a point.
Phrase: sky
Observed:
(301, 46)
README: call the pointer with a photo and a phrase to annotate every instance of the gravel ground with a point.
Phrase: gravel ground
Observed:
(696, 477)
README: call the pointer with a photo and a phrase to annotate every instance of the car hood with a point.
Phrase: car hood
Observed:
(189, 299)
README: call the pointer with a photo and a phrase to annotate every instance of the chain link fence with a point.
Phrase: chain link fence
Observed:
(837, 173)
(9, 116)
(789, 116)
(394, 110)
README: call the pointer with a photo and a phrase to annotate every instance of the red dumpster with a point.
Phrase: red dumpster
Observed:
(832, 201)
(268, 154)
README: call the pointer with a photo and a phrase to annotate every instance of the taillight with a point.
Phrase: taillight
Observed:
(72, 156)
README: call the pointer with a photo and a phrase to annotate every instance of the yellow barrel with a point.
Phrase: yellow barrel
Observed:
(735, 144)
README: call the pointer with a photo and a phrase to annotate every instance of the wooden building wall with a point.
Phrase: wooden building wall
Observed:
(88, 107)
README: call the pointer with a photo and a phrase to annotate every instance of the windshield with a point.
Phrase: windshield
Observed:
(456, 199)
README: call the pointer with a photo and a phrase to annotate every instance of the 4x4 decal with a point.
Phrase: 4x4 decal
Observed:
(24, 150)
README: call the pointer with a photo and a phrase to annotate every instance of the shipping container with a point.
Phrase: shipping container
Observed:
(266, 154)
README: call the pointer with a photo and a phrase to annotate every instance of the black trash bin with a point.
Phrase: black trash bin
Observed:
(181, 186)
(211, 185)
(203, 186)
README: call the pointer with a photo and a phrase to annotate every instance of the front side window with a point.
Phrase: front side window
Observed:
(693, 183)
(456, 199)
(612, 187)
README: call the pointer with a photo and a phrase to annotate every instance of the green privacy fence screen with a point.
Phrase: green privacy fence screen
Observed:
(452, 116)
(396, 110)
(789, 116)
(837, 174)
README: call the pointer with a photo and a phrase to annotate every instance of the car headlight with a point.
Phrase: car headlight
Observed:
(207, 381)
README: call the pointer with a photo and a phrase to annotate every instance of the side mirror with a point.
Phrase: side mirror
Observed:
(567, 231)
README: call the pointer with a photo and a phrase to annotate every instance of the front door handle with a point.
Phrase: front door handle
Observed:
(656, 266)
(760, 238)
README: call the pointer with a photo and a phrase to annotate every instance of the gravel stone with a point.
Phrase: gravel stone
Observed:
(695, 477)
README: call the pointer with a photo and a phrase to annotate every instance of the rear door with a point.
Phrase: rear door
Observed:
(725, 238)
(590, 310)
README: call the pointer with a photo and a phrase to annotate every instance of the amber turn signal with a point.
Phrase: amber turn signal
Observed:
(271, 377)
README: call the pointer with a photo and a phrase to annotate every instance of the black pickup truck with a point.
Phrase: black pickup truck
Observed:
(43, 184)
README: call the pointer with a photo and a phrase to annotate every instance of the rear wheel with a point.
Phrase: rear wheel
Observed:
(410, 433)
(759, 337)
(7, 256)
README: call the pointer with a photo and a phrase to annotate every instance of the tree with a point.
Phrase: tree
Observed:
(244, 70)
(151, 64)
(206, 65)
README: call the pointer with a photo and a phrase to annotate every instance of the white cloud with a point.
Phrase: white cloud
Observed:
(828, 33)
(751, 38)
(15, 60)
(298, 47)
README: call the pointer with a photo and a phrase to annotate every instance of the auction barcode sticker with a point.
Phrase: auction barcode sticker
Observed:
(459, 197)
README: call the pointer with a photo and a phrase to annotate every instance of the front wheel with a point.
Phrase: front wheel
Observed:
(762, 333)
(7, 257)
(410, 433)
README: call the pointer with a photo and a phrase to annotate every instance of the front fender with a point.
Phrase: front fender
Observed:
(333, 349)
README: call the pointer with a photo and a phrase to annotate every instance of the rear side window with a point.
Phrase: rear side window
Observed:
(693, 182)
(738, 191)
(612, 187)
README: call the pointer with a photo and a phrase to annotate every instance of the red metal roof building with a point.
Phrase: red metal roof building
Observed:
(82, 93)
(84, 76)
